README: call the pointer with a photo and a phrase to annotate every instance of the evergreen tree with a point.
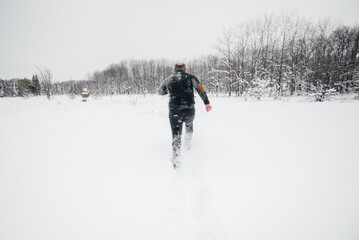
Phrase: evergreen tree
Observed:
(2, 88)
(35, 86)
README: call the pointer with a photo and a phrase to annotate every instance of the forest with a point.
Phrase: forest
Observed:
(272, 55)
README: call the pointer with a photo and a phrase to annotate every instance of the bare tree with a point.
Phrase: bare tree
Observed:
(45, 77)
(225, 49)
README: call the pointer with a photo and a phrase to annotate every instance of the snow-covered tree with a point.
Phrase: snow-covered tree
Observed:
(260, 87)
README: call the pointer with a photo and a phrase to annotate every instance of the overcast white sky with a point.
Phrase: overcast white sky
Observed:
(76, 37)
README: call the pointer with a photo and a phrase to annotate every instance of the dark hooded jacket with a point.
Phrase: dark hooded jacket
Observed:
(180, 86)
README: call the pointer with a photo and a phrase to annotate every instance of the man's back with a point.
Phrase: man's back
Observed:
(180, 88)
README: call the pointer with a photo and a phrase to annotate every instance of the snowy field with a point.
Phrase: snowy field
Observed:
(281, 170)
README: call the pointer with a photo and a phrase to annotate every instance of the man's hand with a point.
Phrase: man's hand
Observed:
(208, 107)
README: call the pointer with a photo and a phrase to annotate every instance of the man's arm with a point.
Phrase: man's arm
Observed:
(201, 92)
(163, 88)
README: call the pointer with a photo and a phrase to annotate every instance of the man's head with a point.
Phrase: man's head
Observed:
(180, 66)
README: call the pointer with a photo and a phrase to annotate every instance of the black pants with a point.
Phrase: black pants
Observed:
(177, 118)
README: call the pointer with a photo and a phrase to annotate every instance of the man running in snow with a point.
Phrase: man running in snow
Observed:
(180, 86)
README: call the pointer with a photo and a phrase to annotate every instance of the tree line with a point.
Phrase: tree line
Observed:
(273, 55)
(286, 55)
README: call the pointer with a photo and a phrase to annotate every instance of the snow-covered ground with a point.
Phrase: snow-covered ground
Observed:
(280, 170)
